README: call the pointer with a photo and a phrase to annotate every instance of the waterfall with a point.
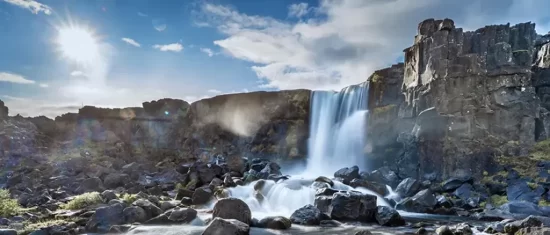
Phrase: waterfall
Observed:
(338, 130)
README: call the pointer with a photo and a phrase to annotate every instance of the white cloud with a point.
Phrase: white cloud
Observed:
(142, 14)
(31, 5)
(77, 73)
(214, 91)
(44, 85)
(175, 47)
(15, 98)
(298, 10)
(207, 51)
(14, 78)
(131, 42)
(348, 39)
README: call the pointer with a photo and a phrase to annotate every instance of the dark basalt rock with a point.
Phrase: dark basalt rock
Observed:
(348, 174)
(105, 217)
(227, 226)
(232, 208)
(520, 191)
(353, 206)
(408, 187)
(423, 202)
(307, 215)
(387, 216)
(275, 222)
(202, 195)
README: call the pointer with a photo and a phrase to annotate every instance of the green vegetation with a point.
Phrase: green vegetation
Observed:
(498, 200)
(532, 185)
(383, 109)
(192, 183)
(375, 78)
(31, 227)
(130, 198)
(83, 201)
(8, 206)
(544, 203)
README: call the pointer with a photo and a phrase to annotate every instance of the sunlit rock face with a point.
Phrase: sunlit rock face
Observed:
(257, 124)
(468, 96)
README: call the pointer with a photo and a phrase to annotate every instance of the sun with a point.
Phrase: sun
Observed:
(78, 44)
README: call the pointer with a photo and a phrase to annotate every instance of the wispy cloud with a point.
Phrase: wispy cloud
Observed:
(131, 42)
(31, 5)
(175, 47)
(214, 91)
(77, 73)
(142, 14)
(9, 97)
(207, 51)
(44, 85)
(298, 10)
(14, 78)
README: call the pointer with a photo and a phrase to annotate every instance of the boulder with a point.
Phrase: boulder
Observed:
(202, 195)
(348, 174)
(90, 185)
(133, 214)
(115, 180)
(183, 215)
(220, 226)
(182, 192)
(385, 176)
(513, 227)
(387, 216)
(454, 182)
(232, 208)
(207, 172)
(519, 190)
(108, 195)
(307, 215)
(324, 180)
(105, 217)
(376, 187)
(353, 206)
(444, 230)
(236, 163)
(167, 205)
(228, 181)
(423, 202)
(275, 222)
(8, 232)
(323, 203)
(150, 209)
(408, 187)
(520, 208)
(533, 231)
(215, 183)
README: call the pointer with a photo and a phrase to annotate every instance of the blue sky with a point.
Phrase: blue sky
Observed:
(150, 49)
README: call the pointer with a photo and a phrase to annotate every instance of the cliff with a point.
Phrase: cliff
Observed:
(466, 98)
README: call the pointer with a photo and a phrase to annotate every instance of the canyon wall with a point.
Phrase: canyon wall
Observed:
(464, 98)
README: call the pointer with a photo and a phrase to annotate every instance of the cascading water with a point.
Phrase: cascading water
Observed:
(337, 132)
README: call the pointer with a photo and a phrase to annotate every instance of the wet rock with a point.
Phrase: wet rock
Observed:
(202, 195)
(105, 217)
(443, 201)
(183, 215)
(232, 208)
(207, 172)
(363, 232)
(119, 228)
(182, 192)
(533, 231)
(90, 185)
(353, 206)
(330, 223)
(186, 201)
(370, 185)
(520, 208)
(271, 168)
(228, 181)
(348, 174)
(423, 202)
(385, 176)
(253, 175)
(167, 205)
(530, 221)
(323, 203)
(455, 182)
(115, 180)
(108, 195)
(325, 192)
(421, 231)
(444, 230)
(4, 222)
(236, 163)
(159, 220)
(520, 191)
(408, 187)
(227, 226)
(216, 182)
(275, 222)
(325, 180)
(150, 209)
(134, 214)
(387, 216)
(8, 232)
(307, 215)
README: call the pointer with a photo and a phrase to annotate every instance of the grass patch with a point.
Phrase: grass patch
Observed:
(31, 227)
(498, 200)
(83, 201)
(8, 206)
(129, 198)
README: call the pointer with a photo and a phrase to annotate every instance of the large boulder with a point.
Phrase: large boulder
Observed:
(105, 217)
(513, 227)
(307, 215)
(150, 208)
(408, 187)
(376, 187)
(347, 173)
(202, 195)
(353, 206)
(423, 202)
(115, 180)
(207, 172)
(220, 226)
(387, 216)
(90, 185)
(134, 214)
(384, 176)
(519, 190)
(183, 215)
(232, 208)
(275, 222)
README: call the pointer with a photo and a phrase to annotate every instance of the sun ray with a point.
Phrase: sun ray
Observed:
(78, 44)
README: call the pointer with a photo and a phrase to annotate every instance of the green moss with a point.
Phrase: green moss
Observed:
(192, 183)
(532, 185)
(498, 200)
(31, 227)
(383, 109)
(8, 206)
(482, 204)
(129, 198)
(375, 78)
(83, 201)
(544, 203)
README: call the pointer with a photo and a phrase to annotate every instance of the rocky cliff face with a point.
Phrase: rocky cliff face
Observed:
(468, 97)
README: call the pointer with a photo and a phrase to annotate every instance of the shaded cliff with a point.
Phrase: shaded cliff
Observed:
(467, 98)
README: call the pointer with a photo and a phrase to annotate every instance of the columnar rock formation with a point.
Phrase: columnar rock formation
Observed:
(468, 97)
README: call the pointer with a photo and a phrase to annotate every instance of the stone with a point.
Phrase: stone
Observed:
(232, 208)
(385, 176)
(133, 214)
(119, 228)
(518, 190)
(307, 215)
(108, 195)
(207, 172)
(348, 173)
(444, 230)
(513, 227)
(353, 206)
(215, 183)
(114, 180)
(376, 187)
(454, 183)
(408, 187)
(275, 222)
(90, 185)
(324, 180)
(387, 216)
(520, 208)
(227, 227)
(533, 231)
(202, 195)
(228, 181)
(183, 215)
(423, 202)
(151, 209)
(236, 163)
(182, 192)
(167, 205)
(324, 204)
(363, 232)
(8, 232)
(105, 217)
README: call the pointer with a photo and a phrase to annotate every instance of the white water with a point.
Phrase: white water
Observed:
(337, 130)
